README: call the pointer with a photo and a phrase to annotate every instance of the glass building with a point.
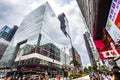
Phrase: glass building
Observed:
(4, 32)
(12, 33)
(3, 46)
(37, 42)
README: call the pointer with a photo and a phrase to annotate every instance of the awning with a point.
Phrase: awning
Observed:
(100, 47)
(99, 43)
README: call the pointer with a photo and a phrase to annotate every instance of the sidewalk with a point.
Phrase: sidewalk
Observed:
(60, 79)
(82, 78)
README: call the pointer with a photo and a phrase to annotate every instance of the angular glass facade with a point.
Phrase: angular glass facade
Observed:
(4, 32)
(36, 40)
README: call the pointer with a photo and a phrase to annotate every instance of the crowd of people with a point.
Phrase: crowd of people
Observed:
(31, 77)
(114, 74)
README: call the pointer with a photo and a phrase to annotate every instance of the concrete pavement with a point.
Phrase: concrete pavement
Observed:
(83, 78)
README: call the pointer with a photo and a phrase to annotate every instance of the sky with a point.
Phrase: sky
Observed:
(12, 13)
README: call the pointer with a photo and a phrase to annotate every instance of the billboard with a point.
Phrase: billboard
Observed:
(113, 22)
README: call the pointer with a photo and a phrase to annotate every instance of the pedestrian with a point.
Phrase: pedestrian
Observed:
(8, 78)
(90, 75)
(46, 78)
(115, 75)
(58, 77)
(107, 76)
(69, 74)
(101, 75)
(115, 68)
(41, 77)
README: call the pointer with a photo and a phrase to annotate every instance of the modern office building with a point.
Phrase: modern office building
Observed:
(7, 33)
(35, 44)
(11, 33)
(92, 52)
(77, 55)
(4, 32)
(3, 46)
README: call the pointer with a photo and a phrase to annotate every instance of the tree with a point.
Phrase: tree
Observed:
(76, 64)
(86, 70)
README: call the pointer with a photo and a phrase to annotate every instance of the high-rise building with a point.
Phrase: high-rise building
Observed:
(3, 46)
(35, 43)
(7, 33)
(95, 13)
(92, 52)
(77, 57)
(76, 54)
(12, 33)
(4, 32)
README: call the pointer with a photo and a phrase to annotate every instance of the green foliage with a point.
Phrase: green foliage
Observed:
(75, 63)
(84, 74)
(77, 75)
(86, 70)
(102, 68)
(90, 68)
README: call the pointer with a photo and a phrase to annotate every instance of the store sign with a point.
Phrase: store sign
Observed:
(110, 53)
(113, 22)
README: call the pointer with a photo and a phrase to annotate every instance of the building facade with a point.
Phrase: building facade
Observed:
(89, 12)
(3, 46)
(76, 55)
(92, 51)
(95, 13)
(12, 33)
(35, 44)
(105, 31)
(4, 32)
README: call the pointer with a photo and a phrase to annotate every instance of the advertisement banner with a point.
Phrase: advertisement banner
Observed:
(113, 22)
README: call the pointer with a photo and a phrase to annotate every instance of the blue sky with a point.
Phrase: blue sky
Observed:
(12, 13)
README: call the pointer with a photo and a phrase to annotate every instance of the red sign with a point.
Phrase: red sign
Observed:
(110, 53)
